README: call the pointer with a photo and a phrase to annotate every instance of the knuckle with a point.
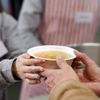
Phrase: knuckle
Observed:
(36, 76)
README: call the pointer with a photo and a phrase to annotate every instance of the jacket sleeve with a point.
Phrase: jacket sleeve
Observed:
(6, 76)
(71, 90)
(29, 21)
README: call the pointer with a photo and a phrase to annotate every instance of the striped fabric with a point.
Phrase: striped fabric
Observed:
(62, 23)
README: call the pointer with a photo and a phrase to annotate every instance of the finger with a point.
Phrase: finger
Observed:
(61, 62)
(84, 58)
(78, 71)
(25, 55)
(33, 69)
(32, 81)
(32, 76)
(80, 74)
(32, 61)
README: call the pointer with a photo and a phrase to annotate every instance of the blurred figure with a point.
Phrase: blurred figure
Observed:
(56, 22)
(63, 83)
(10, 47)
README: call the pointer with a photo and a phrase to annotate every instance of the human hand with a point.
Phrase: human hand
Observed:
(90, 74)
(55, 76)
(25, 68)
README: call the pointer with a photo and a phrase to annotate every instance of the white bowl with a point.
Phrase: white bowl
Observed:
(51, 63)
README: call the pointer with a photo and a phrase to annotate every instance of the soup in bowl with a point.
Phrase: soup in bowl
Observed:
(50, 52)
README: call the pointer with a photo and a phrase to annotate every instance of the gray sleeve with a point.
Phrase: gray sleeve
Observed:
(29, 21)
(10, 36)
(6, 76)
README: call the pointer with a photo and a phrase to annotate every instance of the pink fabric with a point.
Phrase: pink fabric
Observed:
(32, 90)
(59, 27)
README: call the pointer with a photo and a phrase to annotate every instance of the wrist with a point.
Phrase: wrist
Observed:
(14, 70)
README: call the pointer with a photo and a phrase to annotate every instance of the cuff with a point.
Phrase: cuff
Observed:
(6, 66)
(69, 89)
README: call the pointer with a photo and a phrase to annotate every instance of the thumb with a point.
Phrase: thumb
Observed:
(61, 62)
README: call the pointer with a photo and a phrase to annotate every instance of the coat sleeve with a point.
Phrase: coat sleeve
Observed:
(29, 21)
(6, 76)
(71, 90)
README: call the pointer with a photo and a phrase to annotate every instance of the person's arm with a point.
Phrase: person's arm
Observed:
(6, 76)
(64, 84)
(71, 90)
(29, 21)
(21, 68)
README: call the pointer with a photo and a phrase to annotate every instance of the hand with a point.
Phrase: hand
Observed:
(55, 76)
(24, 68)
(90, 74)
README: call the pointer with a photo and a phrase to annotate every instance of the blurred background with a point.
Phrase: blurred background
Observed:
(13, 8)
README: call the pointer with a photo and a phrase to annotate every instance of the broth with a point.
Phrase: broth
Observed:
(52, 54)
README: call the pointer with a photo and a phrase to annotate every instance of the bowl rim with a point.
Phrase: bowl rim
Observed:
(53, 48)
